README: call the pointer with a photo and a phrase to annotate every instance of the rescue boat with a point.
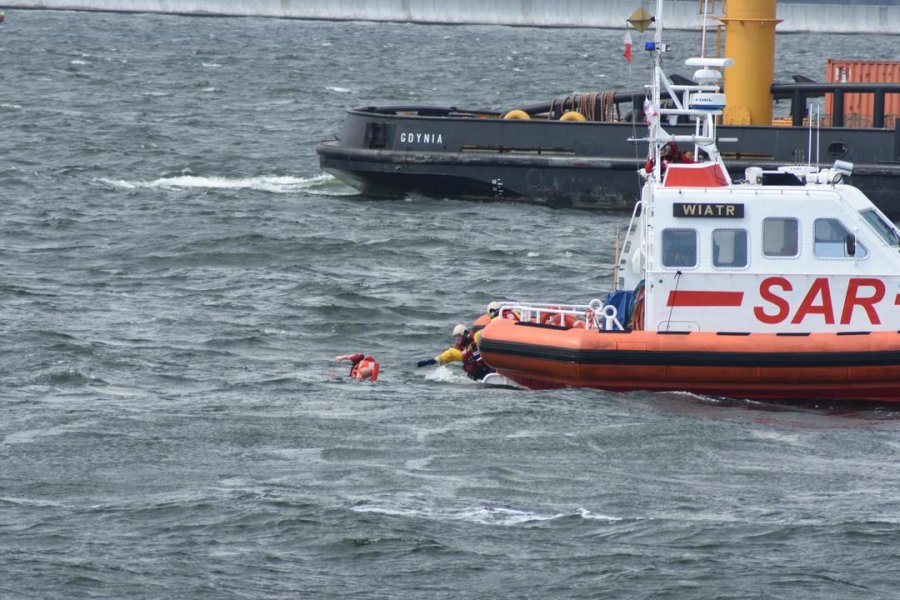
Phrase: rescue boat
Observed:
(783, 285)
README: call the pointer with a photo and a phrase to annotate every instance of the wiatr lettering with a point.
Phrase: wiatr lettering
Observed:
(702, 209)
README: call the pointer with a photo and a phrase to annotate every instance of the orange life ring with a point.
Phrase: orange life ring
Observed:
(563, 320)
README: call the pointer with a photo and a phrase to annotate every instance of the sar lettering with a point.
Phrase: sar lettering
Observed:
(862, 293)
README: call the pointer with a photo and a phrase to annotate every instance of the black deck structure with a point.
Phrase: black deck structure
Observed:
(477, 155)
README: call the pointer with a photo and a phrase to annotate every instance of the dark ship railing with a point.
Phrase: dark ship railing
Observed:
(798, 93)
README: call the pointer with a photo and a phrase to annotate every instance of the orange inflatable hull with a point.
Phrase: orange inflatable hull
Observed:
(762, 366)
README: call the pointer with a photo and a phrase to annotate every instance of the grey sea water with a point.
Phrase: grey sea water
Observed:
(176, 275)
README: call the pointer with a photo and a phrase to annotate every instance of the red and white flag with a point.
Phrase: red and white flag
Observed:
(627, 53)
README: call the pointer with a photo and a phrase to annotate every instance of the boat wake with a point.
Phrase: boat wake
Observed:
(324, 185)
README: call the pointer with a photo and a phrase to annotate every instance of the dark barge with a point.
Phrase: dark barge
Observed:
(576, 152)
(479, 155)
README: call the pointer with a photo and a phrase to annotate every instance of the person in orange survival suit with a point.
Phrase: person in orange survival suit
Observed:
(364, 366)
(466, 351)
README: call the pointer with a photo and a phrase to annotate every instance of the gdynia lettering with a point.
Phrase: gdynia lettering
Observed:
(421, 138)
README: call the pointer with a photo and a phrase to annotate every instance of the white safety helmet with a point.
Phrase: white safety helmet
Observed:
(493, 306)
(460, 329)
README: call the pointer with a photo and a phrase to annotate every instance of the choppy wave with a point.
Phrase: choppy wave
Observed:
(173, 423)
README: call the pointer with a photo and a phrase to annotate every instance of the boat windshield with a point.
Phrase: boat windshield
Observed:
(887, 231)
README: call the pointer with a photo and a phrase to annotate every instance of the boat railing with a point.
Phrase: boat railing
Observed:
(595, 315)
(624, 253)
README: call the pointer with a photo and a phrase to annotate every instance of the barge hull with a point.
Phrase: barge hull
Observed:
(590, 165)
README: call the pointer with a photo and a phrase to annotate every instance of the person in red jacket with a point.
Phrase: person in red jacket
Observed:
(670, 153)
(363, 367)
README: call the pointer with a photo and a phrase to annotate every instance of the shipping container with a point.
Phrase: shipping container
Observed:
(858, 108)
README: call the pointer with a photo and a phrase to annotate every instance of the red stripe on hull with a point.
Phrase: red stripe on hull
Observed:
(683, 298)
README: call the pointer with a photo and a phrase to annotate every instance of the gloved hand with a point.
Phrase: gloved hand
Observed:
(426, 362)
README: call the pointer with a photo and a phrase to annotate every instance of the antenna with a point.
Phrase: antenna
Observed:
(655, 124)
(818, 131)
(809, 118)
(703, 35)
(618, 256)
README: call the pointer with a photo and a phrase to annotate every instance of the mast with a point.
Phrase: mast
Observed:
(655, 122)
(700, 101)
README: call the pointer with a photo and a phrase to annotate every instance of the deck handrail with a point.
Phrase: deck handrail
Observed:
(595, 315)
(797, 92)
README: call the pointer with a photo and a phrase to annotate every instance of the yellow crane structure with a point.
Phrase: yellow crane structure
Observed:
(750, 42)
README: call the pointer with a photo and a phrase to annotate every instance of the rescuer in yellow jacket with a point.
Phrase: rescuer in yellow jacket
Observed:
(465, 351)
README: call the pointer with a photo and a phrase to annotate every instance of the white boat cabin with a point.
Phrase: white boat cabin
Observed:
(792, 251)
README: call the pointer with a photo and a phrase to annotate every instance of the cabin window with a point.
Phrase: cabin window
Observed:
(884, 229)
(729, 248)
(679, 248)
(831, 240)
(780, 237)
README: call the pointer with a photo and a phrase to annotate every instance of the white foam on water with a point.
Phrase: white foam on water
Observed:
(586, 514)
(29, 502)
(492, 515)
(456, 425)
(788, 439)
(446, 375)
(417, 464)
(234, 482)
(482, 515)
(277, 184)
(28, 436)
